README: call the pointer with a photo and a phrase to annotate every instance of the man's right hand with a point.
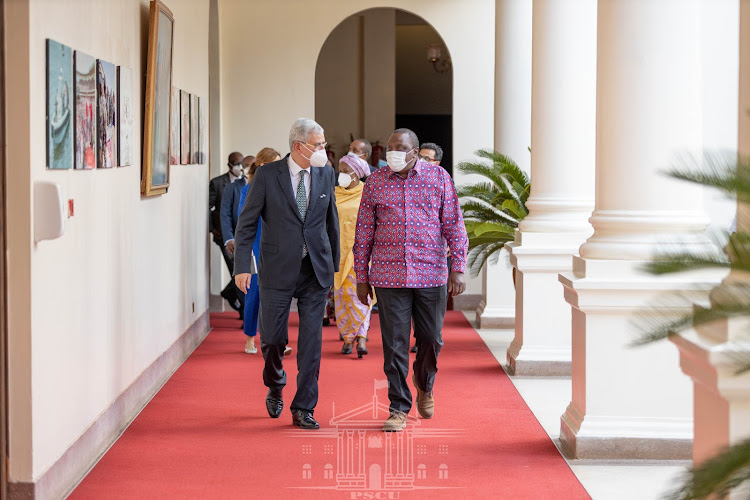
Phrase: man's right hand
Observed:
(230, 246)
(363, 291)
(243, 281)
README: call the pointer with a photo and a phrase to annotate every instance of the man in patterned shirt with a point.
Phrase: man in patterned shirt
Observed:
(407, 214)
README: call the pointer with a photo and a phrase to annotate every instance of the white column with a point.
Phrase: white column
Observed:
(708, 353)
(512, 137)
(563, 133)
(633, 402)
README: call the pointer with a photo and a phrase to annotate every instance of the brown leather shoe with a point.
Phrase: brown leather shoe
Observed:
(396, 422)
(425, 401)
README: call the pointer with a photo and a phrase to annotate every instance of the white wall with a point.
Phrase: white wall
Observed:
(118, 288)
(268, 80)
(720, 62)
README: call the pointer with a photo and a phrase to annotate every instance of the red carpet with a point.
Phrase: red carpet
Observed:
(207, 435)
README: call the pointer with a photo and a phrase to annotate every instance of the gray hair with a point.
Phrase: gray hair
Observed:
(301, 130)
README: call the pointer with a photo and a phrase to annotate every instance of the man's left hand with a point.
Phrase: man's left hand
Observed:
(456, 283)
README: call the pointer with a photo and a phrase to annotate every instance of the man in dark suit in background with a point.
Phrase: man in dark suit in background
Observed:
(230, 204)
(299, 253)
(215, 192)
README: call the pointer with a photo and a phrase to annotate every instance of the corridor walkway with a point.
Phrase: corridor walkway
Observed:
(206, 433)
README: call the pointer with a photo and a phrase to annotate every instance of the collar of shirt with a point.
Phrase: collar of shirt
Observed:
(233, 177)
(294, 173)
(417, 169)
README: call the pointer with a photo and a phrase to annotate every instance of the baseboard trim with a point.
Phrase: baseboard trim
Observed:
(78, 460)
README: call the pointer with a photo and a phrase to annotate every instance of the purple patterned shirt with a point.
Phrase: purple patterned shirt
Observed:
(403, 226)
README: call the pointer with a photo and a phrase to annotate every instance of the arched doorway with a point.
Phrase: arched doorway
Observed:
(373, 75)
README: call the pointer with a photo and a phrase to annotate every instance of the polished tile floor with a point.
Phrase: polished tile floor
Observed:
(604, 480)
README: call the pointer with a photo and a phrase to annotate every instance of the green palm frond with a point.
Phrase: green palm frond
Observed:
(492, 207)
(719, 475)
(730, 174)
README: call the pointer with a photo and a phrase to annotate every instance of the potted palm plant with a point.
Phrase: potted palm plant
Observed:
(492, 207)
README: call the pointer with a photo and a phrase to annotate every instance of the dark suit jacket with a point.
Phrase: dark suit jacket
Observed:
(215, 191)
(230, 204)
(270, 196)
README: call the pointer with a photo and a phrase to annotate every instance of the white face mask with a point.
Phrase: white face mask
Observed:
(397, 160)
(318, 158)
(352, 153)
(236, 170)
(344, 180)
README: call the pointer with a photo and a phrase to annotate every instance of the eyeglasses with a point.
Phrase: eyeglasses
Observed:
(317, 146)
(427, 158)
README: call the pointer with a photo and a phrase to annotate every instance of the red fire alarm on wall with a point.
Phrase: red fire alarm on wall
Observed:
(71, 208)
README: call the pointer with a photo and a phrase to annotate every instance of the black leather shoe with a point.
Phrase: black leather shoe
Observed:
(304, 419)
(274, 404)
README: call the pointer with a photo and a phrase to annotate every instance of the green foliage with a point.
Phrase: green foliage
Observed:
(731, 175)
(493, 207)
(718, 476)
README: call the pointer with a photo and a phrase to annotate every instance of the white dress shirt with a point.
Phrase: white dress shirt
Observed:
(294, 172)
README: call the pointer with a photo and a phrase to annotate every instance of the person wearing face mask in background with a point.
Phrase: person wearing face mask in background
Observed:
(299, 253)
(215, 193)
(407, 213)
(353, 316)
(361, 148)
(230, 200)
(252, 298)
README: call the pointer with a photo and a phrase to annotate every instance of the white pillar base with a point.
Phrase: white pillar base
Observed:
(497, 309)
(722, 399)
(627, 402)
(622, 437)
(495, 317)
(541, 346)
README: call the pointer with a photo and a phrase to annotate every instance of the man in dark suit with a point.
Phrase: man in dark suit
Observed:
(230, 204)
(215, 192)
(299, 253)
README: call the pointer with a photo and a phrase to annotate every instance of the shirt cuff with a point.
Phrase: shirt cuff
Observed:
(362, 277)
(458, 266)
(225, 243)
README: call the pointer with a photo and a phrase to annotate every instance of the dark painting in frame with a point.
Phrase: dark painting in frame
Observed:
(184, 127)
(155, 179)
(194, 124)
(106, 90)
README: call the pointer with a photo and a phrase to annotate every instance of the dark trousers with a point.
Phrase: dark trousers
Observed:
(231, 292)
(396, 309)
(274, 335)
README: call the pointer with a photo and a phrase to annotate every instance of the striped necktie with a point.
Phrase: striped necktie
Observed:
(302, 204)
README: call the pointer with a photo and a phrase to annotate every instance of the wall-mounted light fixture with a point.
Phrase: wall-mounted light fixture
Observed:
(440, 63)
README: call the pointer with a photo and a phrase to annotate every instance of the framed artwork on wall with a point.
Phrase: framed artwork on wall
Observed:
(125, 116)
(194, 121)
(184, 127)
(155, 178)
(85, 111)
(106, 89)
(203, 135)
(59, 106)
(174, 128)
